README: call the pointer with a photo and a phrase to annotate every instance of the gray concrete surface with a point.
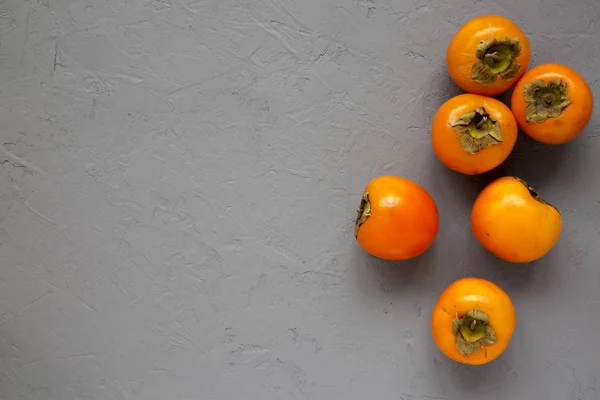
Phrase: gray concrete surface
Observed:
(178, 183)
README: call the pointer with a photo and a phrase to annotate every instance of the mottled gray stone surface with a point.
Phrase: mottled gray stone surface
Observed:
(178, 182)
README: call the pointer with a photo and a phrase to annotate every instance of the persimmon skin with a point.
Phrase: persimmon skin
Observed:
(574, 118)
(404, 219)
(446, 141)
(461, 54)
(464, 295)
(509, 222)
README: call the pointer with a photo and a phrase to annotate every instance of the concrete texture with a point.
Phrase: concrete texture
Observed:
(179, 180)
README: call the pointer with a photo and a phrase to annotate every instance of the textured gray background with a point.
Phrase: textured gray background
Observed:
(178, 183)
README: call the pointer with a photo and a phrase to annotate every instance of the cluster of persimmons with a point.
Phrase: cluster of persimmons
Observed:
(473, 320)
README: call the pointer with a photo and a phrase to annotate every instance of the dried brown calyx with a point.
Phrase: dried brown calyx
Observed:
(496, 58)
(536, 196)
(477, 130)
(545, 100)
(364, 212)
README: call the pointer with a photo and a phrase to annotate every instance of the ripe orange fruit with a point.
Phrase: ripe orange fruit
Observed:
(473, 321)
(472, 134)
(552, 103)
(397, 219)
(512, 221)
(488, 55)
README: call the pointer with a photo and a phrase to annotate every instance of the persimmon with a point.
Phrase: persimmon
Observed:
(552, 103)
(511, 220)
(488, 55)
(397, 219)
(473, 321)
(472, 134)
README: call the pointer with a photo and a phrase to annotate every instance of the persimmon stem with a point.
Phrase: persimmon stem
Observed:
(473, 325)
(482, 122)
(494, 56)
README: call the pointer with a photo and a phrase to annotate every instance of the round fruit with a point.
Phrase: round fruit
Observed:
(397, 219)
(512, 221)
(552, 103)
(472, 134)
(473, 321)
(488, 55)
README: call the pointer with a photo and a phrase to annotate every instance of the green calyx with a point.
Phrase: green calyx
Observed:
(472, 332)
(545, 100)
(364, 212)
(496, 58)
(477, 130)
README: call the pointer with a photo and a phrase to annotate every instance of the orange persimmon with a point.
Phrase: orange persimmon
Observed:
(397, 219)
(473, 134)
(510, 219)
(488, 55)
(473, 321)
(552, 103)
